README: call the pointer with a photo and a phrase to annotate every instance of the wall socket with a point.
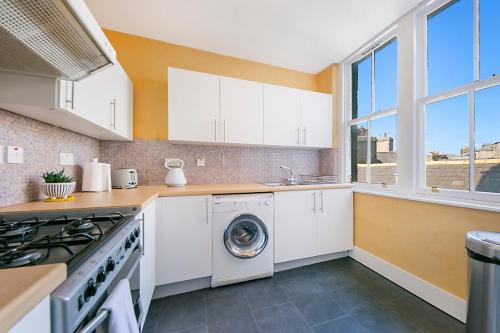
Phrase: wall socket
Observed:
(200, 162)
(66, 159)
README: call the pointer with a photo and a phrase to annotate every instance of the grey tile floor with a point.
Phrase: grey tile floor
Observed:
(335, 296)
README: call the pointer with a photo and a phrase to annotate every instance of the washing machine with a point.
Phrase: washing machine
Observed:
(242, 237)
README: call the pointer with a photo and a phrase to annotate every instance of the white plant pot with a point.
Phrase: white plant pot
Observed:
(57, 190)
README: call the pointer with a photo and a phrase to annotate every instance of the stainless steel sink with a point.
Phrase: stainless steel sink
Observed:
(274, 184)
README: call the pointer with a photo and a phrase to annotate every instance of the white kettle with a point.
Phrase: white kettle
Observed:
(175, 175)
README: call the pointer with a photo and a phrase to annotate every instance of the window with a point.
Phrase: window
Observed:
(460, 104)
(373, 135)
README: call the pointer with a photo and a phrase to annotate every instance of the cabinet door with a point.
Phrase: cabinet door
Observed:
(316, 119)
(183, 239)
(241, 105)
(148, 261)
(335, 220)
(281, 116)
(193, 106)
(122, 103)
(37, 320)
(294, 225)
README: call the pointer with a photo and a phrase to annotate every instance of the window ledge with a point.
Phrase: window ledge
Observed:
(472, 204)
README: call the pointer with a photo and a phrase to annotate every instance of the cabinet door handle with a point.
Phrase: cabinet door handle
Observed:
(314, 202)
(321, 209)
(112, 114)
(215, 129)
(206, 206)
(224, 124)
(72, 95)
(305, 134)
(141, 220)
(298, 135)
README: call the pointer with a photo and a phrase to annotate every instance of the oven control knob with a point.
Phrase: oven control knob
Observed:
(101, 275)
(136, 232)
(90, 290)
(128, 244)
(110, 266)
(132, 238)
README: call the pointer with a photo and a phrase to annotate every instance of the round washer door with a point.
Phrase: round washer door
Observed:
(246, 236)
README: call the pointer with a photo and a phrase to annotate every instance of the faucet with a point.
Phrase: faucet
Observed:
(290, 180)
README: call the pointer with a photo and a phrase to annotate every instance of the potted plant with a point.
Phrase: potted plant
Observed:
(57, 185)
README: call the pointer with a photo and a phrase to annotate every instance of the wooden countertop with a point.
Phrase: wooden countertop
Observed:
(21, 289)
(143, 195)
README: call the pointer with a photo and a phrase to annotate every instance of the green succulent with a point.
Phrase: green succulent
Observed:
(56, 177)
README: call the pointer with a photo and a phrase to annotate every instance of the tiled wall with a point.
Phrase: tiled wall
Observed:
(42, 144)
(224, 164)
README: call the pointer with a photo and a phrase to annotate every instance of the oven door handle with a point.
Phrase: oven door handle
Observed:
(101, 316)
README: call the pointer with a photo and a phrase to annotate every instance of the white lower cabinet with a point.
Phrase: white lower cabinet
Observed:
(312, 223)
(148, 260)
(183, 238)
(37, 320)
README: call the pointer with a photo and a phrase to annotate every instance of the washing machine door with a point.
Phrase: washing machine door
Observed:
(246, 236)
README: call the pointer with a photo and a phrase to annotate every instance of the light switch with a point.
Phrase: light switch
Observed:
(3, 154)
(200, 162)
(66, 159)
(15, 154)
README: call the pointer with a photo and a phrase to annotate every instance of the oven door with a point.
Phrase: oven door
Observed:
(97, 319)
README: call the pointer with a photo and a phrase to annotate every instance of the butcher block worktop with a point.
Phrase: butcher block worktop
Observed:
(21, 289)
(143, 195)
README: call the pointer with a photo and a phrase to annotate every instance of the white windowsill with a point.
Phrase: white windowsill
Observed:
(472, 204)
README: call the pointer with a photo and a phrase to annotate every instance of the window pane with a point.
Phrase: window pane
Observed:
(361, 88)
(359, 136)
(487, 140)
(450, 46)
(386, 76)
(383, 150)
(489, 45)
(447, 144)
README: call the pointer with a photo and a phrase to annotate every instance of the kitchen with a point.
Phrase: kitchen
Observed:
(223, 175)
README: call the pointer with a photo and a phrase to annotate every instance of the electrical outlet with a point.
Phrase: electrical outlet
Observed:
(66, 159)
(200, 162)
(3, 158)
(15, 154)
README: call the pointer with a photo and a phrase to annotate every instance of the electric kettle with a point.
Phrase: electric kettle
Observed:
(175, 175)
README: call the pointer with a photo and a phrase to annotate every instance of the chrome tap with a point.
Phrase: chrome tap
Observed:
(290, 180)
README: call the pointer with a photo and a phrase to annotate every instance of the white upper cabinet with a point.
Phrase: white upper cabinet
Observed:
(210, 108)
(316, 119)
(122, 104)
(241, 111)
(193, 106)
(281, 116)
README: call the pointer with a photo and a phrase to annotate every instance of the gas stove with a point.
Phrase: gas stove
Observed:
(49, 237)
(99, 247)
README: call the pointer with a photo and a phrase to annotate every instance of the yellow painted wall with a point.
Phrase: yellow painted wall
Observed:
(425, 239)
(328, 82)
(146, 62)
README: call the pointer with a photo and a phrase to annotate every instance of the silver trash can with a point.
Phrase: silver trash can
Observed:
(483, 312)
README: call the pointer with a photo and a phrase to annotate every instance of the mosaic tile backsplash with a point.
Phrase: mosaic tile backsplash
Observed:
(42, 144)
(223, 164)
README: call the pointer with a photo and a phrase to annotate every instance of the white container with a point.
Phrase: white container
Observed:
(57, 190)
(175, 176)
(96, 177)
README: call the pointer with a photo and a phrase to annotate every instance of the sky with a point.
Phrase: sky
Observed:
(450, 64)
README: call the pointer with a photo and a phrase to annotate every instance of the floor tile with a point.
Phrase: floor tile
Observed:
(346, 324)
(383, 321)
(283, 318)
(181, 312)
(263, 293)
(197, 329)
(230, 314)
(352, 298)
(317, 308)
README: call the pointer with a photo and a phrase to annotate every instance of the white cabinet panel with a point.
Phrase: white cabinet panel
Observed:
(193, 106)
(294, 225)
(335, 220)
(37, 320)
(281, 116)
(122, 103)
(183, 239)
(241, 111)
(148, 261)
(316, 119)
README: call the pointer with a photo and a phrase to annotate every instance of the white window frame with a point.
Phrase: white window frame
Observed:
(422, 99)
(347, 122)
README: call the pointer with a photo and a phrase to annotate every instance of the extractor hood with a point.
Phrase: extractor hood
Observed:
(54, 38)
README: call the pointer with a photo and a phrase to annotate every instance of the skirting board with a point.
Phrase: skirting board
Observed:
(432, 294)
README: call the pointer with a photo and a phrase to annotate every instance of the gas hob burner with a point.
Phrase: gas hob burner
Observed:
(21, 231)
(79, 226)
(20, 258)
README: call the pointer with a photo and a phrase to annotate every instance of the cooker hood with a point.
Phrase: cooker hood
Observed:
(53, 38)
